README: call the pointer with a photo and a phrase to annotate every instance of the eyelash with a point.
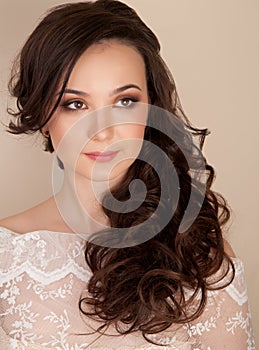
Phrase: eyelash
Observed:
(66, 105)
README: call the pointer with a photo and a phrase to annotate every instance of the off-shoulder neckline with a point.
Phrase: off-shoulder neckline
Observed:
(2, 228)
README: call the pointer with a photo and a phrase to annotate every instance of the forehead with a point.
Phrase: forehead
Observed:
(112, 60)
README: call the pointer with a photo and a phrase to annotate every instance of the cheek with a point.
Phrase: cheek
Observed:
(132, 139)
(56, 137)
(57, 132)
(134, 131)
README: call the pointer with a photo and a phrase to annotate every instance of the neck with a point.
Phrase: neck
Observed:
(79, 203)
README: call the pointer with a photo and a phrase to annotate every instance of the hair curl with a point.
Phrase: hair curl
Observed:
(141, 286)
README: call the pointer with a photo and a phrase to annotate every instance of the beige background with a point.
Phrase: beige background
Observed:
(212, 48)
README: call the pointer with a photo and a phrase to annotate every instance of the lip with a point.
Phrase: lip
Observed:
(102, 157)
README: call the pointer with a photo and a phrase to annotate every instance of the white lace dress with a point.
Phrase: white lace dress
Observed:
(42, 275)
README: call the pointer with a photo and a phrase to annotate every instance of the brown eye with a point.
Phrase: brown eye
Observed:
(75, 105)
(127, 102)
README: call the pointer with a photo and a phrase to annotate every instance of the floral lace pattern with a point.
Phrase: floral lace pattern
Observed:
(43, 274)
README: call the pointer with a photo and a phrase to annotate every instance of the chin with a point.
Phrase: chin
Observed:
(101, 172)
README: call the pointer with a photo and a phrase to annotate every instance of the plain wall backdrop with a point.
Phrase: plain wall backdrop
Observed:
(212, 49)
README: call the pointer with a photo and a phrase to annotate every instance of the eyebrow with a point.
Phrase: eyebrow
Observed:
(114, 92)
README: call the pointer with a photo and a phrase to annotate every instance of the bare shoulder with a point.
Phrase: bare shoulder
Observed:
(228, 249)
(11, 223)
(29, 220)
(21, 222)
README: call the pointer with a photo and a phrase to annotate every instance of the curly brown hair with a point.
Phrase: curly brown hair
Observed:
(143, 285)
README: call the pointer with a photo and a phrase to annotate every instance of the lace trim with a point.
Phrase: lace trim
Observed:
(238, 289)
(46, 278)
(50, 256)
(46, 257)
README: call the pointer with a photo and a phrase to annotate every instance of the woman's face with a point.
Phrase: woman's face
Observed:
(107, 74)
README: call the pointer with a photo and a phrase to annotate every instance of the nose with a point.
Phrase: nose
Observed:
(102, 127)
(104, 134)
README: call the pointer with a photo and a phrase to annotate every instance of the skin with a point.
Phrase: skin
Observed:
(107, 74)
(101, 70)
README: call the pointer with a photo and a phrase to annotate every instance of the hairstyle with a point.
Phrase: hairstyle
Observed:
(129, 286)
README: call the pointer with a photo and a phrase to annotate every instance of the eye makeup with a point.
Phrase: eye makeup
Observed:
(75, 104)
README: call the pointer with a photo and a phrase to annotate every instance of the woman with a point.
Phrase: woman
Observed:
(105, 261)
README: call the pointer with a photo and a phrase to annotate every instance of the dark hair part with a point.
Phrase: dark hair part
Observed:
(129, 286)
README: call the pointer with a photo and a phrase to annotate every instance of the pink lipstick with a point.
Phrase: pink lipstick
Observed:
(101, 157)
